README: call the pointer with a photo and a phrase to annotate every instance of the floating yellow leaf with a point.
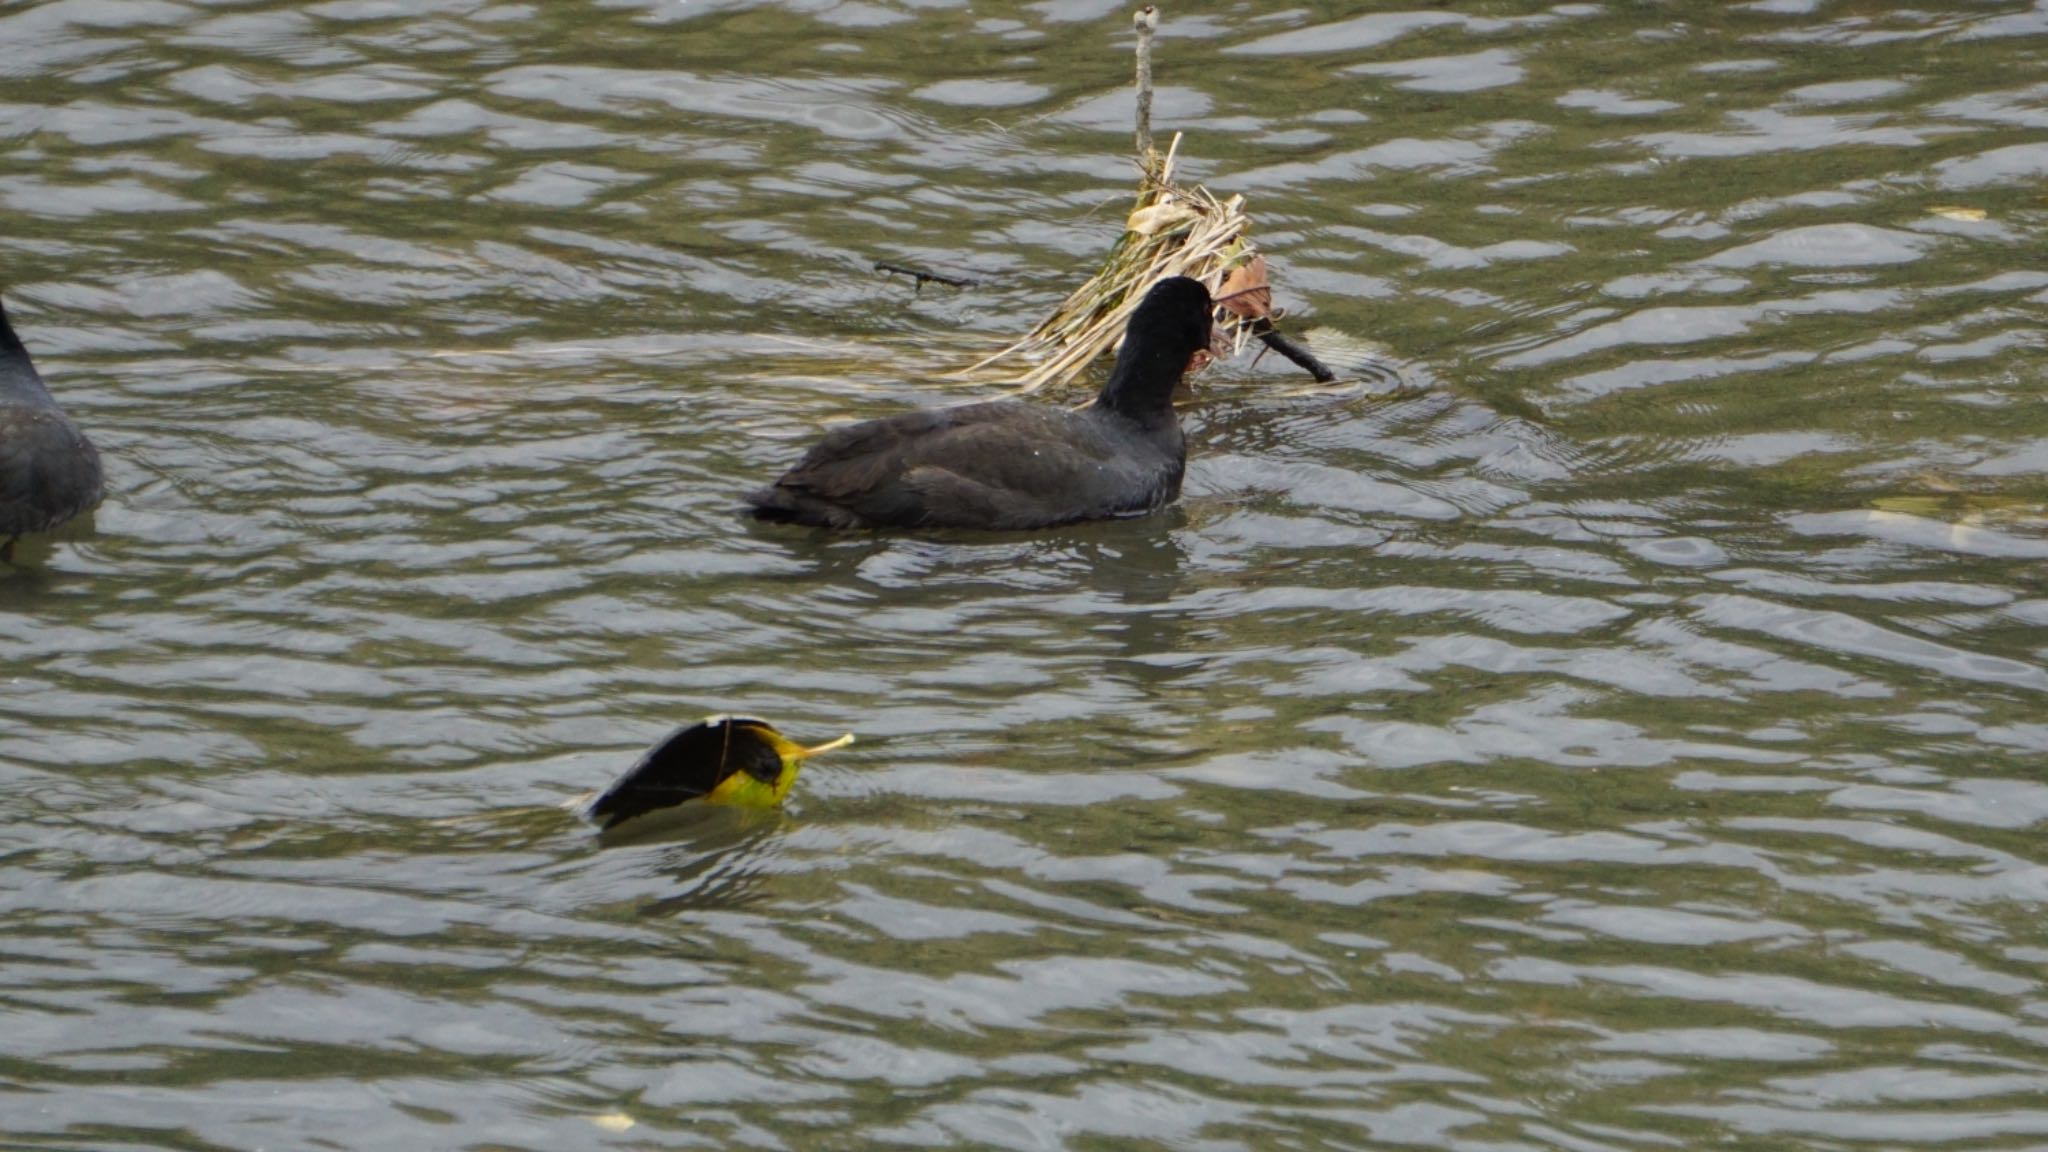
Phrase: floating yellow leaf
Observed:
(1965, 215)
(724, 760)
(613, 1121)
(1928, 507)
(1967, 509)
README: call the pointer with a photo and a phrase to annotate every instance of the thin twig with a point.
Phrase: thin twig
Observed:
(921, 275)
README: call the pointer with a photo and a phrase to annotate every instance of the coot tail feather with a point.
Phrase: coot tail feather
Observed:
(49, 471)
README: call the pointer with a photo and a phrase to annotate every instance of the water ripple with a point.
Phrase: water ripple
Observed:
(1610, 722)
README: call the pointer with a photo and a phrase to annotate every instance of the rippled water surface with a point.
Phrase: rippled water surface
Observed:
(1620, 724)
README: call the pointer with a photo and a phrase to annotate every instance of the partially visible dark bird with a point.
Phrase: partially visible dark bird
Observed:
(1007, 464)
(49, 471)
(734, 760)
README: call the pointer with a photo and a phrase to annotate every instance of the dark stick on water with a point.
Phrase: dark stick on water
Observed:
(1302, 357)
(921, 275)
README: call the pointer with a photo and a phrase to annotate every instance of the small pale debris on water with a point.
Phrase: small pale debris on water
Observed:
(613, 1121)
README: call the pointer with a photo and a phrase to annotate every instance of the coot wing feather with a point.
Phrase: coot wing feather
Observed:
(995, 465)
(862, 457)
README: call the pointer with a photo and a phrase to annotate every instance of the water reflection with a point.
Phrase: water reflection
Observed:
(1614, 724)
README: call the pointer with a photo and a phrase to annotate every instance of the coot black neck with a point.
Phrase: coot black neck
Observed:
(1141, 385)
(10, 344)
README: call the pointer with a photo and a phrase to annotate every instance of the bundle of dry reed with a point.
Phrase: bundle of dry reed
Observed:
(1174, 230)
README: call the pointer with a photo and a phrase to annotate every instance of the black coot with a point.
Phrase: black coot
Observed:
(1007, 464)
(49, 471)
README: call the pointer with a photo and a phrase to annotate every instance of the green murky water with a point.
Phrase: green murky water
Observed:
(1626, 735)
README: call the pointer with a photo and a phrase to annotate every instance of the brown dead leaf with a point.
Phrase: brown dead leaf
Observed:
(1246, 292)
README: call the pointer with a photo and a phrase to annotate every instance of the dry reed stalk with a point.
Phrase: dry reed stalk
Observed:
(1174, 230)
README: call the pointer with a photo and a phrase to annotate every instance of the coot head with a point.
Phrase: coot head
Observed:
(1171, 324)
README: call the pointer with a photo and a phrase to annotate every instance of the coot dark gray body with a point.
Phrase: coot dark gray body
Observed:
(49, 471)
(1007, 464)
